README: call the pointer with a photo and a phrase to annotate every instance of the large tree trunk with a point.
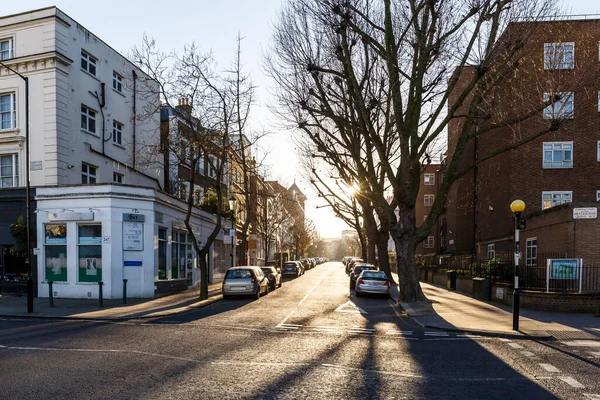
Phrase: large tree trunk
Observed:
(203, 259)
(403, 234)
(382, 251)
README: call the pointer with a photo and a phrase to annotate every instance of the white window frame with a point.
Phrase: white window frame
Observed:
(597, 195)
(428, 200)
(429, 243)
(89, 114)
(598, 150)
(12, 111)
(11, 48)
(566, 106)
(428, 179)
(565, 195)
(553, 148)
(117, 82)
(88, 174)
(117, 178)
(90, 61)
(14, 176)
(558, 49)
(529, 246)
(117, 133)
(491, 251)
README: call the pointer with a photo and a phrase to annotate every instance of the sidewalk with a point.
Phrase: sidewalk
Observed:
(453, 311)
(113, 310)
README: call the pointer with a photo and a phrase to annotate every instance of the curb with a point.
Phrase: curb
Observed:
(202, 304)
(508, 335)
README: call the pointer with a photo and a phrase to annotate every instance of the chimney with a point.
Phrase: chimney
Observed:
(184, 108)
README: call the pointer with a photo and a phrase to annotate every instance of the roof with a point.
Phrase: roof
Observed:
(295, 188)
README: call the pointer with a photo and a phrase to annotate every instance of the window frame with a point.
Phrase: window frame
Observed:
(551, 193)
(431, 179)
(117, 83)
(549, 111)
(491, 251)
(56, 243)
(598, 151)
(88, 174)
(11, 48)
(87, 57)
(117, 178)
(12, 112)
(552, 151)
(530, 259)
(431, 201)
(429, 243)
(117, 133)
(88, 116)
(95, 242)
(15, 170)
(552, 64)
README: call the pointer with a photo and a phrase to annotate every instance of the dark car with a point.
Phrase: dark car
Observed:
(358, 268)
(305, 263)
(273, 275)
(292, 268)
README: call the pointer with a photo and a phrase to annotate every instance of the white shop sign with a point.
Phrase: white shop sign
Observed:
(133, 236)
(585, 213)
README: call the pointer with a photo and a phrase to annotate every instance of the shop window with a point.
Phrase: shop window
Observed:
(90, 253)
(55, 244)
(181, 254)
(162, 254)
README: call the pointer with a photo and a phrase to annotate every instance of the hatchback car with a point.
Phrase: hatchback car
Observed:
(245, 281)
(373, 282)
(273, 276)
(292, 268)
(358, 268)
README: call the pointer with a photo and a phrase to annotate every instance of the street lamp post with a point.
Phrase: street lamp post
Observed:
(27, 190)
(232, 207)
(517, 207)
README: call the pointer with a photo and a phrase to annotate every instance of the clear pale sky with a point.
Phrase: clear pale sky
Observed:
(214, 25)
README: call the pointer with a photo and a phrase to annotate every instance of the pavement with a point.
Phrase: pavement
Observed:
(444, 310)
(113, 310)
(454, 311)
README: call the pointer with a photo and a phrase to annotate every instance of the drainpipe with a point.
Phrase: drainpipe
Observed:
(102, 103)
(134, 112)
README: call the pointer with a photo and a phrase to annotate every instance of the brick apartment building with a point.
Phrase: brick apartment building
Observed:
(428, 188)
(552, 174)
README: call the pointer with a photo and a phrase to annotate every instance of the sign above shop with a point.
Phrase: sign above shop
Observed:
(71, 216)
(585, 213)
(133, 218)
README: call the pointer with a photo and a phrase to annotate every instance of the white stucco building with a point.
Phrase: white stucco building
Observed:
(101, 214)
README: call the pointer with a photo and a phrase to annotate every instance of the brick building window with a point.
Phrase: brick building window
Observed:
(561, 108)
(559, 55)
(531, 251)
(598, 150)
(551, 199)
(558, 154)
(429, 242)
(491, 251)
(428, 200)
(429, 179)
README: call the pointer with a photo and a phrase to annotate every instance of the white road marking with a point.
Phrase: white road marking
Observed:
(326, 330)
(549, 367)
(291, 325)
(304, 298)
(515, 345)
(592, 396)
(353, 308)
(270, 364)
(469, 336)
(595, 353)
(360, 332)
(583, 343)
(327, 327)
(572, 382)
(505, 340)
(287, 327)
(527, 353)
(399, 333)
(436, 334)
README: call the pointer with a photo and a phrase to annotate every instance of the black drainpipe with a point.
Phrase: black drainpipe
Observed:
(134, 113)
(102, 102)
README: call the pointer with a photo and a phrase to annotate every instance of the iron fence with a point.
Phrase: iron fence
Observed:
(501, 269)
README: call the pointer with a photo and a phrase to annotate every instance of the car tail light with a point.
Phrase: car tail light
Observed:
(253, 279)
(361, 282)
(387, 283)
(352, 275)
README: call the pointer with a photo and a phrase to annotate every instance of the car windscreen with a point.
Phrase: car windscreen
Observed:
(289, 265)
(267, 270)
(374, 275)
(358, 270)
(238, 274)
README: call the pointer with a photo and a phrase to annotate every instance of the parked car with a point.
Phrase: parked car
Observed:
(245, 281)
(305, 263)
(292, 268)
(353, 262)
(373, 282)
(312, 262)
(358, 268)
(273, 275)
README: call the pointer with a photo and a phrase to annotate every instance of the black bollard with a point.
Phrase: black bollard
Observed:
(50, 294)
(100, 299)
(124, 291)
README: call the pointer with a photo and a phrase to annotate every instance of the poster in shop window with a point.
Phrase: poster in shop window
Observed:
(133, 236)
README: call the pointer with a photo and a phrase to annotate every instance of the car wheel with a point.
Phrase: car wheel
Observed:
(257, 294)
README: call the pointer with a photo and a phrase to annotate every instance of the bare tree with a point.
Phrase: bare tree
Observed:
(374, 84)
(206, 114)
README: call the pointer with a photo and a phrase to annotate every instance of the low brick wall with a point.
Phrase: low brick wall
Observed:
(440, 278)
(562, 302)
(464, 285)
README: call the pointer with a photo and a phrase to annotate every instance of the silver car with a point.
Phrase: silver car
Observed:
(245, 281)
(373, 282)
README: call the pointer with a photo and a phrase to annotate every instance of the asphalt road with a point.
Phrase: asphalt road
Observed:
(307, 340)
